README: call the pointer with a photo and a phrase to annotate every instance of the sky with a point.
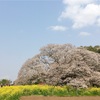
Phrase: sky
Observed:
(28, 25)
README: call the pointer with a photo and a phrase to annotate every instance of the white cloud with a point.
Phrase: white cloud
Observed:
(98, 22)
(84, 34)
(58, 28)
(77, 2)
(81, 12)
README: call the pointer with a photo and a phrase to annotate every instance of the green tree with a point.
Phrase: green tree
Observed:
(94, 49)
(5, 82)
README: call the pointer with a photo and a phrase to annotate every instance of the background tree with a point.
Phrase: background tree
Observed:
(92, 48)
(5, 82)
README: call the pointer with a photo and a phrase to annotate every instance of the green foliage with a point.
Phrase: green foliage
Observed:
(93, 48)
(5, 82)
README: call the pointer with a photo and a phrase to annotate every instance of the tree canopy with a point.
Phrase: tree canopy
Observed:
(5, 82)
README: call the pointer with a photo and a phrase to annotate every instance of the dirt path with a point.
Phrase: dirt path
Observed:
(59, 98)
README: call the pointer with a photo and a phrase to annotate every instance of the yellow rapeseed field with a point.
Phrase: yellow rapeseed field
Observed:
(15, 92)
